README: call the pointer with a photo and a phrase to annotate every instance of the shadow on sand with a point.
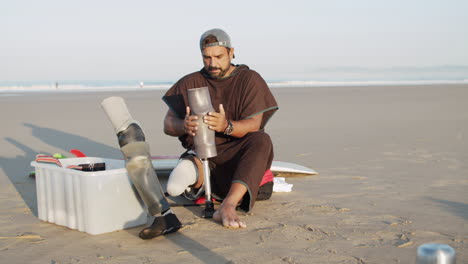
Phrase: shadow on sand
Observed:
(195, 248)
(456, 208)
(67, 141)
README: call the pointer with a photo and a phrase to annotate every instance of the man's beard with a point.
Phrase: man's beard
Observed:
(218, 75)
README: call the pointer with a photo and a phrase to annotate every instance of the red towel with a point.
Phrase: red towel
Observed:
(267, 177)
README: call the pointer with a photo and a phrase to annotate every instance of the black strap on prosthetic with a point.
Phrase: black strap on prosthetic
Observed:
(133, 133)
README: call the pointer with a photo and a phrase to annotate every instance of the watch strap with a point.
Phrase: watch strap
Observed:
(229, 128)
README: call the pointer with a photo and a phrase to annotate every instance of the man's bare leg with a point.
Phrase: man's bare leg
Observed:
(226, 213)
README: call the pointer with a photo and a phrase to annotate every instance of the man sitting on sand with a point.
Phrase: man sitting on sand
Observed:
(243, 104)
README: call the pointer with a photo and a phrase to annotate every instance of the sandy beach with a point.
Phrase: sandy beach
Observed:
(392, 176)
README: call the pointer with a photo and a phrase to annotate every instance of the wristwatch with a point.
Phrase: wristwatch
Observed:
(229, 128)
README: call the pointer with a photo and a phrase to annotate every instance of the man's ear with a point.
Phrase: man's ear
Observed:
(231, 54)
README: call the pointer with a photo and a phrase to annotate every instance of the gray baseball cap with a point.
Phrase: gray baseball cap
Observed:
(223, 38)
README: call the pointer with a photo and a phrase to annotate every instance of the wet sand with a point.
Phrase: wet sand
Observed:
(392, 164)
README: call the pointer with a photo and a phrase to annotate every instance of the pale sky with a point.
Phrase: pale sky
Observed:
(158, 40)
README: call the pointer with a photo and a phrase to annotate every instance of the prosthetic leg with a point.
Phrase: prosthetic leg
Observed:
(204, 140)
(140, 169)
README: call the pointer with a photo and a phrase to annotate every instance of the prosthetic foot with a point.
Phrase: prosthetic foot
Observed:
(139, 167)
(162, 225)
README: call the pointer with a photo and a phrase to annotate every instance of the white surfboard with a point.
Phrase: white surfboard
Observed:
(281, 166)
(164, 164)
(168, 164)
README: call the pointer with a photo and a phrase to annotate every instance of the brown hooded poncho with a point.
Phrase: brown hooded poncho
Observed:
(243, 94)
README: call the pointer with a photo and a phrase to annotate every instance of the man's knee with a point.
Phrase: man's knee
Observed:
(260, 140)
(183, 176)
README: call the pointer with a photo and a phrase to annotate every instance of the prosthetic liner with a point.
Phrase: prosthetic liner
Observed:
(137, 155)
(204, 140)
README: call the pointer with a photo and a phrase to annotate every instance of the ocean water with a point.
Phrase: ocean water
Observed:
(338, 76)
(68, 86)
(88, 85)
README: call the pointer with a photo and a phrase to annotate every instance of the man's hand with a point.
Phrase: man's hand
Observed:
(190, 123)
(216, 121)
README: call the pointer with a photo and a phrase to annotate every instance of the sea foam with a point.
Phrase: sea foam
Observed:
(126, 86)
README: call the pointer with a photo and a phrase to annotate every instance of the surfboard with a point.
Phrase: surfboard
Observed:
(288, 167)
(168, 163)
(165, 164)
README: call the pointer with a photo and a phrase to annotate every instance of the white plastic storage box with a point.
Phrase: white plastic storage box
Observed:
(94, 202)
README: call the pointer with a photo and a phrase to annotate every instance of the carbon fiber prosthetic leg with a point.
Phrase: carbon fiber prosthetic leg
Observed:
(137, 155)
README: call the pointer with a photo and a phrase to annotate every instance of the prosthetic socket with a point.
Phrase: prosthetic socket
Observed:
(200, 105)
(137, 155)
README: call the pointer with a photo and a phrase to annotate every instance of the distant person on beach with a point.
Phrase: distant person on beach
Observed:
(243, 105)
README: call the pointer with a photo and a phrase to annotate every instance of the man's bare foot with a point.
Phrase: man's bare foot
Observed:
(227, 215)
